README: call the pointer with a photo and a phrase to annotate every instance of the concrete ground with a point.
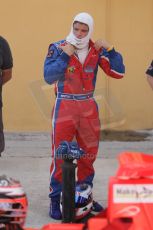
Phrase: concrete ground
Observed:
(27, 158)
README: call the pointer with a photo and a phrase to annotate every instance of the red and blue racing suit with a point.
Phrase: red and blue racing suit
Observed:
(75, 113)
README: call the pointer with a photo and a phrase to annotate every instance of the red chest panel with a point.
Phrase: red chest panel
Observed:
(81, 78)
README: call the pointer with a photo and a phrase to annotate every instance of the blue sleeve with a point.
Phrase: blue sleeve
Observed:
(55, 65)
(113, 61)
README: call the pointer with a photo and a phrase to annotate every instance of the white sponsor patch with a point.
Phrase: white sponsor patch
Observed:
(130, 193)
(129, 211)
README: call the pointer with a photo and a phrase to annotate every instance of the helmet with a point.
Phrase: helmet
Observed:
(13, 203)
(83, 200)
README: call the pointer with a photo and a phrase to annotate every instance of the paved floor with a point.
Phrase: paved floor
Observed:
(27, 158)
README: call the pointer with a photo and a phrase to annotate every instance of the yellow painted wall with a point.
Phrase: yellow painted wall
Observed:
(31, 25)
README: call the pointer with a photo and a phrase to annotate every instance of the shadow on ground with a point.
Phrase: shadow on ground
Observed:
(112, 135)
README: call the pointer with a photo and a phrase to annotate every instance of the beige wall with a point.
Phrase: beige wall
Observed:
(30, 25)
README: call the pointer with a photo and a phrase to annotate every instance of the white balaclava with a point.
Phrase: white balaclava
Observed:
(81, 43)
